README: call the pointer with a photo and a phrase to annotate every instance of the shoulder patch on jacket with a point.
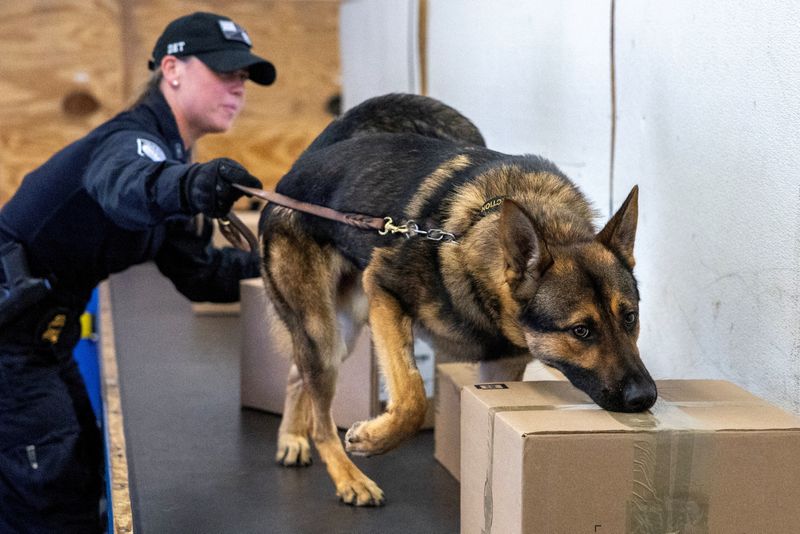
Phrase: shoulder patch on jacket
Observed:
(148, 149)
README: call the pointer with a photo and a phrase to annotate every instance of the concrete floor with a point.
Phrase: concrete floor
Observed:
(201, 464)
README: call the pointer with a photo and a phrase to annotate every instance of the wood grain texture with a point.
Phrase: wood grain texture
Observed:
(300, 37)
(51, 50)
(60, 47)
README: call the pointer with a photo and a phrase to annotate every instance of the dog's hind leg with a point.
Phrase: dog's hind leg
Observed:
(393, 341)
(293, 446)
(305, 278)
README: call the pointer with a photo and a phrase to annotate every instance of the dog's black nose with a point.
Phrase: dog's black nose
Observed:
(639, 395)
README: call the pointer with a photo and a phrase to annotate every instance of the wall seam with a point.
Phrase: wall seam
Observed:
(422, 48)
(127, 36)
(613, 81)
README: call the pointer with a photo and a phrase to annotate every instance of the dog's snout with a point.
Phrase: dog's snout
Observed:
(639, 395)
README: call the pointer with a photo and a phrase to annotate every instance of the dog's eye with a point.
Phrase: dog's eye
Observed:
(581, 331)
(630, 318)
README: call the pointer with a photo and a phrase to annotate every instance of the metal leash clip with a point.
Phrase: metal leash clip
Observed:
(411, 229)
(390, 228)
(440, 235)
(434, 234)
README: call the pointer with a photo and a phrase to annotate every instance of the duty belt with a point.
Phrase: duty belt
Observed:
(42, 327)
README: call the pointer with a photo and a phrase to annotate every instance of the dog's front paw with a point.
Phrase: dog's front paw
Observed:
(360, 491)
(293, 451)
(367, 438)
(353, 441)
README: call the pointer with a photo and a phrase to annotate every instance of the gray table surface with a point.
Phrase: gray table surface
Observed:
(200, 463)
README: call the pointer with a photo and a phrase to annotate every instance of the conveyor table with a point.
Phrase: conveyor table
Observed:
(197, 462)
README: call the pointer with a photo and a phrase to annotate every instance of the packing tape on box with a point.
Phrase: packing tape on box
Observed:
(666, 495)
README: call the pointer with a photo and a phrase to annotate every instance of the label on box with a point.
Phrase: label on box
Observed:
(491, 386)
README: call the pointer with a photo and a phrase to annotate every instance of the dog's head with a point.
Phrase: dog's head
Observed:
(579, 305)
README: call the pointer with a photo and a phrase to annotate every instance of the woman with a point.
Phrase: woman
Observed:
(124, 194)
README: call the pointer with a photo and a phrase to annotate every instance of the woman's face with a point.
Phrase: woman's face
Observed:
(207, 101)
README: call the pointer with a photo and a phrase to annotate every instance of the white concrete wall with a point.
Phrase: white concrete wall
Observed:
(533, 76)
(379, 43)
(708, 125)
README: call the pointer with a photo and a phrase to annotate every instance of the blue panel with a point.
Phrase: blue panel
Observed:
(87, 356)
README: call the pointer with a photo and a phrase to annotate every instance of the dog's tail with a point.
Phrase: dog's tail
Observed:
(400, 113)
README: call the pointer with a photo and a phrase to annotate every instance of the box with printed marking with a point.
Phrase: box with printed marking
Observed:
(266, 359)
(541, 457)
(450, 378)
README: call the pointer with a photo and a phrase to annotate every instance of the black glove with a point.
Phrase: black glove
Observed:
(206, 187)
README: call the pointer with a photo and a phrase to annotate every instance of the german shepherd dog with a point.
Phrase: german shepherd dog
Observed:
(518, 272)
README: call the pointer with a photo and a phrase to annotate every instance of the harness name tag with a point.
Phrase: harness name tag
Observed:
(491, 204)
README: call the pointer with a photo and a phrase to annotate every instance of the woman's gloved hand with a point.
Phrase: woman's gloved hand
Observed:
(207, 189)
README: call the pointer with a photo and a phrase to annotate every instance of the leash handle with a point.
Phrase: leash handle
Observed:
(237, 233)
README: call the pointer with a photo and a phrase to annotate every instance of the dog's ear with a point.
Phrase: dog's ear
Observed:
(620, 232)
(525, 252)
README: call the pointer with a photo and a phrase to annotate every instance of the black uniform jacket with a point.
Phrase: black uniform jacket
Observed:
(111, 200)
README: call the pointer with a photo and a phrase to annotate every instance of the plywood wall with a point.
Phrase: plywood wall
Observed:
(53, 52)
(69, 65)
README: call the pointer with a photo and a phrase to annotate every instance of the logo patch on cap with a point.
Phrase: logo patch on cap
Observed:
(148, 149)
(234, 32)
(175, 48)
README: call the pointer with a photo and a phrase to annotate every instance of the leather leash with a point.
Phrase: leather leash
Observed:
(364, 222)
(237, 232)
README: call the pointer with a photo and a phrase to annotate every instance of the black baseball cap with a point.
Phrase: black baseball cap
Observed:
(215, 40)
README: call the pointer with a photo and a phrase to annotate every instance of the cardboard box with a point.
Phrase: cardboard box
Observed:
(450, 378)
(250, 218)
(540, 457)
(266, 357)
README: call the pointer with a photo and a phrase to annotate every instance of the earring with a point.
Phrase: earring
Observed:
(174, 83)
